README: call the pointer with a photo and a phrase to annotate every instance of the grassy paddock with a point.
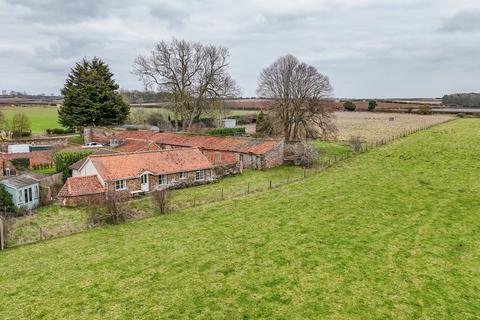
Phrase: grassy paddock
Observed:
(41, 117)
(389, 234)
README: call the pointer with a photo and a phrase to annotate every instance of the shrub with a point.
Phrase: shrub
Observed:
(425, 110)
(64, 159)
(161, 200)
(310, 156)
(20, 126)
(6, 202)
(349, 106)
(59, 131)
(155, 119)
(372, 105)
(21, 163)
(264, 126)
(227, 132)
(113, 211)
(355, 143)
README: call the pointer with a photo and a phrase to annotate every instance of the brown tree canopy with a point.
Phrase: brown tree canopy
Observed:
(302, 103)
(195, 74)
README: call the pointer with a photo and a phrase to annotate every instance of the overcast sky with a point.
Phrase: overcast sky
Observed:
(368, 48)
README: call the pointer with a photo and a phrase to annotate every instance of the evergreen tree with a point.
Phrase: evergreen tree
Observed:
(91, 97)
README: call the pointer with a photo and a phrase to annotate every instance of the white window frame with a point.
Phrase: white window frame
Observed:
(144, 178)
(183, 175)
(120, 185)
(162, 179)
(200, 175)
(7, 172)
(251, 158)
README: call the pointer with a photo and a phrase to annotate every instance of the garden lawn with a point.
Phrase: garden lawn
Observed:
(389, 234)
(41, 117)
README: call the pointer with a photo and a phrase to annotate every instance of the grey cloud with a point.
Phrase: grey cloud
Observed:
(463, 21)
(366, 47)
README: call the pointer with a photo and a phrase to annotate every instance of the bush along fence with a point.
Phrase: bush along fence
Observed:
(169, 201)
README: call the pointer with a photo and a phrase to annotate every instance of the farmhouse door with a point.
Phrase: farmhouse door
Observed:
(144, 181)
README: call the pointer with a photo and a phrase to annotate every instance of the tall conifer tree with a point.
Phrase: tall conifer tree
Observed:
(91, 97)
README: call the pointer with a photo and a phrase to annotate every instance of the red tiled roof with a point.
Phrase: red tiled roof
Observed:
(77, 165)
(80, 186)
(130, 165)
(233, 144)
(137, 145)
(35, 157)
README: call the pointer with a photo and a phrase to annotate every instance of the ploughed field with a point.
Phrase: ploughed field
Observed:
(390, 234)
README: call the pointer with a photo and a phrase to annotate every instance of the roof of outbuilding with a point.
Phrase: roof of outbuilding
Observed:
(20, 181)
(36, 157)
(233, 144)
(130, 165)
(81, 186)
(138, 145)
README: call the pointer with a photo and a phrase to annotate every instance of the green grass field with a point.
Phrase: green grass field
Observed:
(41, 118)
(389, 234)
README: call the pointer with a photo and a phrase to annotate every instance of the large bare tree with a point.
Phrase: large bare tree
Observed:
(302, 103)
(195, 74)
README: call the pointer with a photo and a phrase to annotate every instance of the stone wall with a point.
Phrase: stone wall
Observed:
(173, 181)
(274, 157)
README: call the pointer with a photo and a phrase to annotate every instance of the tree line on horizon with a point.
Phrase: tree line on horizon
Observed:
(195, 78)
(462, 99)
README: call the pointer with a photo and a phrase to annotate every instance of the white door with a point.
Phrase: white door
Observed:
(144, 181)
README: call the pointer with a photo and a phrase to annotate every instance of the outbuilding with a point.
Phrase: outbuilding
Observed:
(25, 191)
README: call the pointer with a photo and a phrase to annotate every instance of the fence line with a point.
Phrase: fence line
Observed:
(222, 195)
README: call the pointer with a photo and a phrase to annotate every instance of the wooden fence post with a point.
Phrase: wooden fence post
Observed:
(2, 236)
(270, 184)
(41, 233)
(248, 188)
(222, 193)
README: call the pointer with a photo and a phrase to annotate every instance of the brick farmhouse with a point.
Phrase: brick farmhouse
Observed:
(99, 177)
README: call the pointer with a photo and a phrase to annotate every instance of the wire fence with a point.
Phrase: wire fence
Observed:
(202, 198)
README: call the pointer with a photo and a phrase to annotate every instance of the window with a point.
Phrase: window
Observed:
(251, 158)
(27, 195)
(183, 175)
(199, 175)
(120, 185)
(240, 157)
(7, 172)
(144, 178)
(162, 179)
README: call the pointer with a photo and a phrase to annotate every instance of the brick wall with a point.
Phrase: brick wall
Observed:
(82, 200)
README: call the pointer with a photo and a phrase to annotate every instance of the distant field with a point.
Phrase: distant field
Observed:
(41, 118)
(376, 126)
(139, 112)
(389, 234)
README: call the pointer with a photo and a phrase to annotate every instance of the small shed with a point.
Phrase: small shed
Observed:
(229, 123)
(25, 191)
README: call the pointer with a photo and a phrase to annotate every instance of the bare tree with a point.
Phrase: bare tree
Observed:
(195, 74)
(302, 99)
